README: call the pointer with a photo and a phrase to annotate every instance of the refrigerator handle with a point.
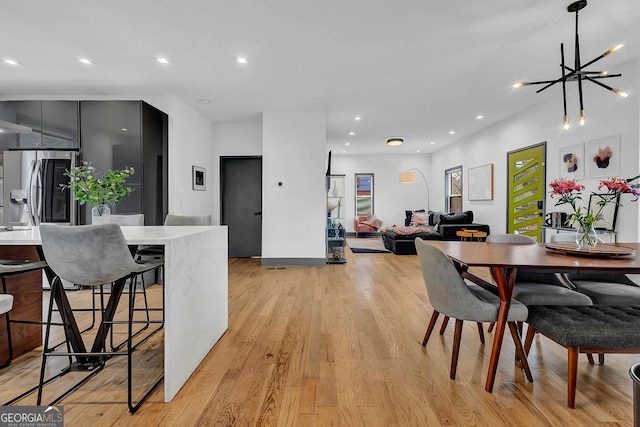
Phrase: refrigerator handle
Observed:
(39, 191)
(30, 199)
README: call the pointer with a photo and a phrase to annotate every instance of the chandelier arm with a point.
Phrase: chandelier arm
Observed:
(614, 90)
(552, 82)
(577, 71)
(564, 85)
(598, 58)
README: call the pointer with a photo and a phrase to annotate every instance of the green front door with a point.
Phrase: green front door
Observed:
(526, 190)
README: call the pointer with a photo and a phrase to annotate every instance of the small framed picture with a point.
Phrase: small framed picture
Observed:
(199, 178)
(604, 157)
(572, 163)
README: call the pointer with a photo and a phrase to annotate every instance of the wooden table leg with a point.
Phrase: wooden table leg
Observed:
(505, 278)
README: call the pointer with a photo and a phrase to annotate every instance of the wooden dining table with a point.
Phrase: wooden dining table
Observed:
(505, 259)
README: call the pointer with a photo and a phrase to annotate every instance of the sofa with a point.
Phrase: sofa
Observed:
(428, 226)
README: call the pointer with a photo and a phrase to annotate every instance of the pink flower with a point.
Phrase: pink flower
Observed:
(616, 185)
(564, 187)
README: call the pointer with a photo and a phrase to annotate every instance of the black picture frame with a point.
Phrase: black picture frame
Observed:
(199, 178)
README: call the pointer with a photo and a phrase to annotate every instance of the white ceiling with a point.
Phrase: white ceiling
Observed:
(415, 69)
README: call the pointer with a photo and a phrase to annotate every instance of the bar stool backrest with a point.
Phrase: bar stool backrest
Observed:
(87, 254)
(6, 303)
(174, 220)
(126, 220)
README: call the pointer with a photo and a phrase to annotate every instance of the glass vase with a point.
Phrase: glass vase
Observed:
(586, 237)
(100, 214)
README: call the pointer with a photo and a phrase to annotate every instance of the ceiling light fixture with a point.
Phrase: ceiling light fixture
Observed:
(578, 72)
(241, 60)
(85, 61)
(347, 143)
(394, 142)
(162, 60)
(451, 132)
(352, 133)
(11, 62)
(357, 118)
(205, 101)
(479, 117)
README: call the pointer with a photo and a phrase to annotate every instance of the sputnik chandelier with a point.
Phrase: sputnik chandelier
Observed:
(578, 73)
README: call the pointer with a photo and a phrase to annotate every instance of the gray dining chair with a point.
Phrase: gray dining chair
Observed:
(450, 295)
(534, 287)
(92, 255)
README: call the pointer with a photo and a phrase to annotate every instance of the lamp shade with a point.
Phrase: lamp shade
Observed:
(407, 177)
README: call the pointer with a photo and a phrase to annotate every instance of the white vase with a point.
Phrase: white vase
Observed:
(334, 191)
(100, 214)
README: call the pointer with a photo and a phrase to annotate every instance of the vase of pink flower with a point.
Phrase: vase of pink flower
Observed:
(584, 220)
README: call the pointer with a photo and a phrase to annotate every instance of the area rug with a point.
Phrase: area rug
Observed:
(366, 245)
(369, 251)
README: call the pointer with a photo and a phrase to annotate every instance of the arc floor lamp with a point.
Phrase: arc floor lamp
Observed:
(410, 177)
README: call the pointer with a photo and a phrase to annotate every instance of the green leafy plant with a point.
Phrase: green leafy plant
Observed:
(88, 187)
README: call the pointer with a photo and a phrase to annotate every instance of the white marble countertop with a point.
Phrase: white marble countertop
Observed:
(151, 235)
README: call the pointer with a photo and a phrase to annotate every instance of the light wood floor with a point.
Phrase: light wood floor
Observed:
(340, 345)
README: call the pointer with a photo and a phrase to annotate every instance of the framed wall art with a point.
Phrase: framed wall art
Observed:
(199, 178)
(481, 182)
(572, 162)
(604, 157)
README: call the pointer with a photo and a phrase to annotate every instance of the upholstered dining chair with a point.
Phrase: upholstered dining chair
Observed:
(539, 288)
(92, 255)
(450, 295)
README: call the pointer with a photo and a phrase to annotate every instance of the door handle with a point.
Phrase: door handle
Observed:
(258, 213)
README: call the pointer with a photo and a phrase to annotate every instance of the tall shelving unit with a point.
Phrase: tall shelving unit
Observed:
(335, 232)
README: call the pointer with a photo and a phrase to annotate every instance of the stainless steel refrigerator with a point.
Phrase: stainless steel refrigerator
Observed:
(32, 193)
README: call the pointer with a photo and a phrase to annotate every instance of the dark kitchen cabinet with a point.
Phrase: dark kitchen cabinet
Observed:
(54, 124)
(119, 134)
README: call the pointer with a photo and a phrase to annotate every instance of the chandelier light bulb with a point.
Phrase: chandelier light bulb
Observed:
(565, 123)
(520, 84)
(581, 117)
(622, 94)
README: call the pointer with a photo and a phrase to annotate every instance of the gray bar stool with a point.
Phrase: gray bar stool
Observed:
(91, 255)
(11, 268)
(6, 304)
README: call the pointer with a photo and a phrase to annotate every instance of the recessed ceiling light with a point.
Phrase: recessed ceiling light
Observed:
(394, 142)
(347, 143)
(85, 61)
(451, 132)
(357, 118)
(241, 60)
(124, 129)
(352, 133)
(432, 143)
(479, 117)
(417, 151)
(163, 60)
(205, 101)
(11, 62)
(344, 151)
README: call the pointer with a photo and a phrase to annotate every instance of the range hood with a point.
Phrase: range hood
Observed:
(7, 127)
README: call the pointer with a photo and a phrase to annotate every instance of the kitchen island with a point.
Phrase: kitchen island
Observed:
(195, 290)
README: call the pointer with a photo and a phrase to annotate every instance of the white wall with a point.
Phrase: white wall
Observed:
(294, 215)
(232, 139)
(391, 198)
(607, 115)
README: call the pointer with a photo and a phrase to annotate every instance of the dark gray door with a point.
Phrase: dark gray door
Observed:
(241, 204)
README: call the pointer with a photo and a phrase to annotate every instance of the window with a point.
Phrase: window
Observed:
(364, 194)
(453, 189)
